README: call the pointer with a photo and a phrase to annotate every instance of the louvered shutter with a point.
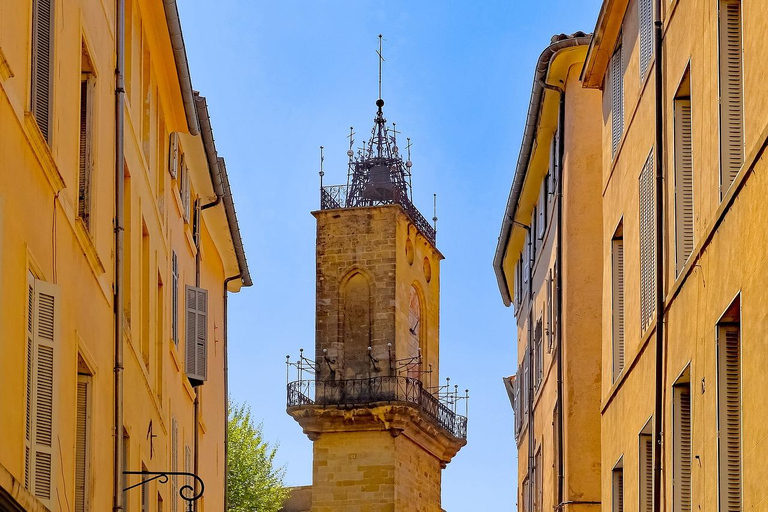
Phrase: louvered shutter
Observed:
(82, 435)
(729, 418)
(526, 258)
(618, 306)
(683, 181)
(681, 464)
(541, 225)
(30, 373)
(618, 490)
(617, 98)
(647, 243)
(42, 65)
(646, 35)
(45, 326)
(731, 92)
(646, 473)
(173, 155)
(196, 333)
(84, 165)
(175, 298)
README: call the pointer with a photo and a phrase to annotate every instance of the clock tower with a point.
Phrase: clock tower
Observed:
(370, 398)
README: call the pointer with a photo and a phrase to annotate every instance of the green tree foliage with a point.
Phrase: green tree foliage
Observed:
(254, 484)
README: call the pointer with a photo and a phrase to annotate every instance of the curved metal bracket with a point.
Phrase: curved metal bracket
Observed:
(187, 492)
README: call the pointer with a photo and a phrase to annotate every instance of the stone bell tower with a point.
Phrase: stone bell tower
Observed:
(382, 427)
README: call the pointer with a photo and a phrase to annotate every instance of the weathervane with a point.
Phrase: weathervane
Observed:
(381, 59)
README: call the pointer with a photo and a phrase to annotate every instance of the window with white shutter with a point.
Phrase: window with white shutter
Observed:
(196, 332)
(85, 161)
(617, 300)
(647, 243)
(42, 339)
(683, 174)
(82, 443)
(729, 416)
(617, 487)
(617, 98)
(681, 444)
(731, 93)
(175, 298)
(645, 468)
(42, 65)
(646, 35)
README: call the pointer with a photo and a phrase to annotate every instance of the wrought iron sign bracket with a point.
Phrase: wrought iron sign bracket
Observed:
(187, 492)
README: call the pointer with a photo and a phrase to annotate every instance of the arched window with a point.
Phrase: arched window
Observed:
(356, 326)
(414, 336)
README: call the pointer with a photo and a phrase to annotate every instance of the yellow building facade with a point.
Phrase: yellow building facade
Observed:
(684, 301)
(382, 426)
(88, 393)
(548, 264)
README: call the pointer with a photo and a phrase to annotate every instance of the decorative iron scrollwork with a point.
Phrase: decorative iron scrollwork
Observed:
(187, 492)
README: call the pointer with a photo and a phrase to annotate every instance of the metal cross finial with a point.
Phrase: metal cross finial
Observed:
(381, 59)
(322, 158)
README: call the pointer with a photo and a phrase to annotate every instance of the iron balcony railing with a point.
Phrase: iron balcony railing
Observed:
(335, 197)
(357, 392)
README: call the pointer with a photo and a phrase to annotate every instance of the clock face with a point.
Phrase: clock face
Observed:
(414, 328)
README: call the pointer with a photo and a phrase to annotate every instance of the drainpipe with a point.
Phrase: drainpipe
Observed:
(196, 442)
(531, 438)
(658, 423)
(117, 497)
(226, 390)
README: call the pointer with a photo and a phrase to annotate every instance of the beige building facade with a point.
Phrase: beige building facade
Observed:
(118, 245)
(548, 264)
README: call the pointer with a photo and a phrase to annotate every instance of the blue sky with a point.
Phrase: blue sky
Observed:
(286, 76)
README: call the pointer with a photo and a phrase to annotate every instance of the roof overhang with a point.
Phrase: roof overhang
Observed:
(603, 42)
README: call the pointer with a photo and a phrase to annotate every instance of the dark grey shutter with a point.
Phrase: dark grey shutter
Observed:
(618, 306)
(42, 64)
(196, 334)
(731, 92)
(681, 450)
(84, 166)
(729, 418)
(683, 182)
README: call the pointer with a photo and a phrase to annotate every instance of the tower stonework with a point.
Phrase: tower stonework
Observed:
(381, 428)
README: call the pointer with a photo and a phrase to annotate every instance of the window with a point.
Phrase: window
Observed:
(647, 244)
(82, 443)
(175, 298)
(617, 294)
(174, 155)
(550, 303)
(646, 35)
(541, 209)
(538, 479)
(681, 444)
(538, 353)
(731, 93)
(527, 258)
(42, 338)
(42, 65)
(729, 410)
(184, 188)
(146, 279)
(617, 98)
(617, 487)
(526, 382)
(144, 493)
(160, 335)
(526, 494)
(85, 163)
(683, 174)
(196, 330)
(174, 464)
(146, 99)
(645, 467)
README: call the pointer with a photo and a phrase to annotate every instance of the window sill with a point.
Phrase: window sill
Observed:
(43, 153)
(86, 243)
(622, 376)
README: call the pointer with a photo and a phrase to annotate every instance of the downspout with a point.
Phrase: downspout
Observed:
(658, 422)
(226, 391)
(196, 441)
(531, 438)
(117, 497)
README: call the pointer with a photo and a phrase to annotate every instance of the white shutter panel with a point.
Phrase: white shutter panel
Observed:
(617, 98)
(729, 418)
(42, 64)
(618, 306)
(646, 473)
(683, 181)
(196, 333)
(43, 431)
(682, 449)
(82, 434)
(646, 35)
(731, 92)
(173, 155)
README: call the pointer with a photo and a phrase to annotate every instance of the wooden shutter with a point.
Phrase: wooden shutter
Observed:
(84, 166)
(647, 243)
(42, 65)
(683, 181)
(646, 35)
(617, 98)
(175, 298)
(82, 438)
(731, 93)
(729, 417)
(646, 473)
(41, 429)
(618, 306)
(681, 450)
(617, 487)
(196, 333)
(173, 155)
